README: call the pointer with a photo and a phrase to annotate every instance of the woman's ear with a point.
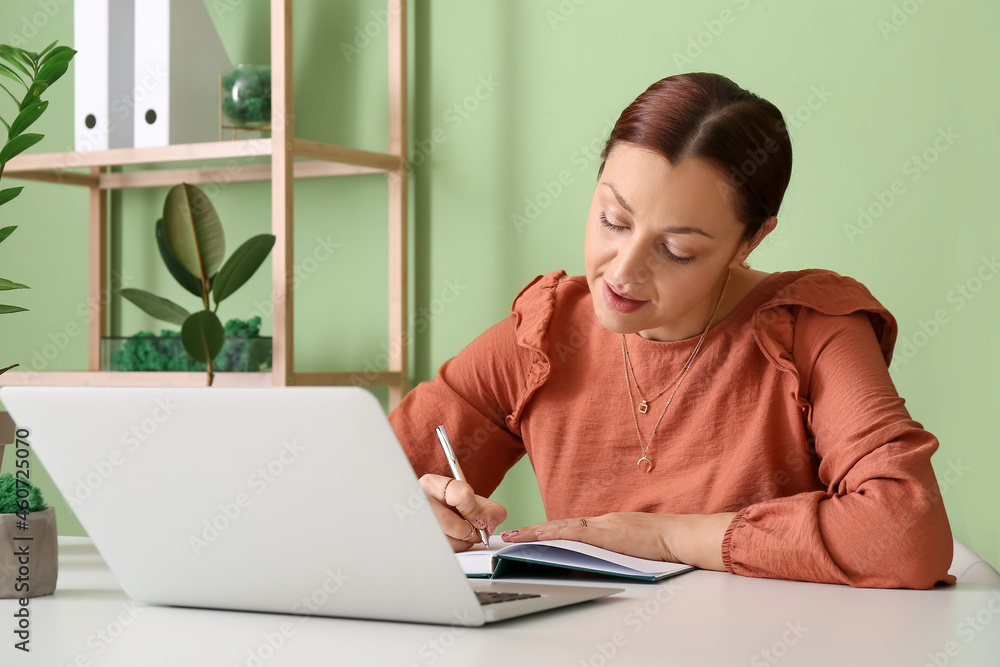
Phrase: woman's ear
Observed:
(748, 247)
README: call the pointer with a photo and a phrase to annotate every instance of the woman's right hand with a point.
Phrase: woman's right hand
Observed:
(460, 511)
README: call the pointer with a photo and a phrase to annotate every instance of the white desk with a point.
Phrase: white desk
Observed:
(699, 618)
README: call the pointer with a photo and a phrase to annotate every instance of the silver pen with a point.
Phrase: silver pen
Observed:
(456, 471)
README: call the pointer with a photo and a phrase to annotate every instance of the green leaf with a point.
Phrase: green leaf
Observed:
(34, 93)
(24, 119)
(192, 230)
(10, 284)
(61, 54)
(27, 57)
(9, 54)
(7, 231)
(241, 265)
(46, 49)
(12, 96)
(18, 144)
(6, 310)
(6, 196)
(203, 335)
(52, 70)
(11, 74)
(187, 279)
(157, 306)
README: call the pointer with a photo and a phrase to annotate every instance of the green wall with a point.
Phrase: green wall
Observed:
(864, 85)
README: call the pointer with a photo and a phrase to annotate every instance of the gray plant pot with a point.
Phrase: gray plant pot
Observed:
(42, 567)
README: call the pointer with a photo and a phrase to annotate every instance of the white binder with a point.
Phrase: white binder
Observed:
(178, 59)
(103, 32)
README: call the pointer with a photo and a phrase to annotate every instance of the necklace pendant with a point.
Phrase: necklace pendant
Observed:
(643, 407)
(649, 464)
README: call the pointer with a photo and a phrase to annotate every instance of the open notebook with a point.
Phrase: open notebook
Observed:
(492, 563)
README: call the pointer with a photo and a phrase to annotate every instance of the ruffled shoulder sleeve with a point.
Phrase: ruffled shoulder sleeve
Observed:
(825, 292)
(533, 310)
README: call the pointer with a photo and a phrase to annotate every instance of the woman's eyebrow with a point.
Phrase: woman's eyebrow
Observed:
(671, 230)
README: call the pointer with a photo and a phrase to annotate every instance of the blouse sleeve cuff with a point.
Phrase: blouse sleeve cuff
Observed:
(727, 558)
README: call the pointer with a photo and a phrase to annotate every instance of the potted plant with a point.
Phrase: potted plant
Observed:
(192, 246)
(29, 563)
(34, 72)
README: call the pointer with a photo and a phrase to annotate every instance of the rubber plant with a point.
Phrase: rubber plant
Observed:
(192, 246)
(34, 72)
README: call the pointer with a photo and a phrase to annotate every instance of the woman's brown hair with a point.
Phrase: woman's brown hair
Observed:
(707, 116)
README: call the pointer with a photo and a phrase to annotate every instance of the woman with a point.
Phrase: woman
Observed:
(678, 405)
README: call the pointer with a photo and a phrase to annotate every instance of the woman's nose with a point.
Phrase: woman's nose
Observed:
(631, 265)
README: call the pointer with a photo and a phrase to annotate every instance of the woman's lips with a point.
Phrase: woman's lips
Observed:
(619, 303)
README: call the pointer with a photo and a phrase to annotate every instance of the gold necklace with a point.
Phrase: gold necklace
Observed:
(644, 402)
(625, 361)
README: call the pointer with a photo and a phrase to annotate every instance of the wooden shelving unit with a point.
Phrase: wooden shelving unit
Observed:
(315, 159)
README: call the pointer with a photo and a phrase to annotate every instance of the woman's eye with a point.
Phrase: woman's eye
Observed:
(671, 256)
(663, 248)
(607, 223)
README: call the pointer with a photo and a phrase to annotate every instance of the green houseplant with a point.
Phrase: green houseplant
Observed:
(192, 246)
(23, 515)
(34, 72)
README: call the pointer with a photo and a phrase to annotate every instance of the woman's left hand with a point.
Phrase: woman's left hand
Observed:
(695, 539)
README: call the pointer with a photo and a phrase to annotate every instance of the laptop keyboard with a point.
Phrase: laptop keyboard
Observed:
(492, 597)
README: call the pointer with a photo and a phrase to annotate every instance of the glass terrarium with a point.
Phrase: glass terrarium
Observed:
(146, 352)
(245, 95)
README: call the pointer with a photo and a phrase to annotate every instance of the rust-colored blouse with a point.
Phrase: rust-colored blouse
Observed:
(788, 417)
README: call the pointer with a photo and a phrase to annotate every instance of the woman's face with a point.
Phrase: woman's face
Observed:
(662, 237)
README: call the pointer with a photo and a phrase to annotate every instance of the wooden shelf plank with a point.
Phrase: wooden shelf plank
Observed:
(250, 172)
(347, 379)
(132, 379)
(331, 153)
(56, 167)
(57, 177)
(117, 157)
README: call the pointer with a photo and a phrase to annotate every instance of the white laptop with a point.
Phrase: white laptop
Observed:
(293, 499)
